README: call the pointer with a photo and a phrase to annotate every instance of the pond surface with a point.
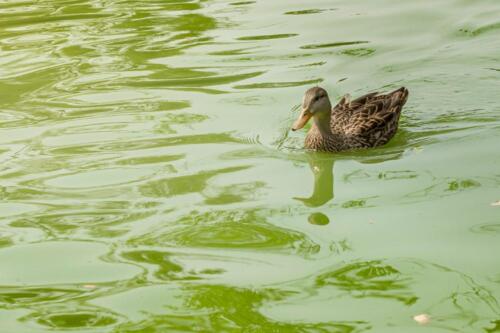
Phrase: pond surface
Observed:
(149, 181)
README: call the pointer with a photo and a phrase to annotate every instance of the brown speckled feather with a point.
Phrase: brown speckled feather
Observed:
(368, 121)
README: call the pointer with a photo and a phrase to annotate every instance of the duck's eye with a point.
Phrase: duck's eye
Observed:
(317, 98)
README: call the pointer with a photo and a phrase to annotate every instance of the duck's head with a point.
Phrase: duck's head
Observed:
(314, 104)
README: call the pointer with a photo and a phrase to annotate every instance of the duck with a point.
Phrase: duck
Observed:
(367, 121)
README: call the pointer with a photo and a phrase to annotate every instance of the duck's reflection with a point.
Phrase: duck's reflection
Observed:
(322, 164)
(322, 167)
(318, 219)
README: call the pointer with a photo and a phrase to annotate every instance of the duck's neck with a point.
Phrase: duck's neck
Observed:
(322, 124)
(321, 137)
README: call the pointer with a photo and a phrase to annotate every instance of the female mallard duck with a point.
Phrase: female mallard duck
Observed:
(368, 121)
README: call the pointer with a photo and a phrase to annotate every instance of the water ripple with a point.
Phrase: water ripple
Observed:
(150, 180)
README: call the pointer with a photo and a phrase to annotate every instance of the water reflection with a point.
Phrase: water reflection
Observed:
(378, 289)
(77, 318)
(322, 165)
(318, 219)
(322, 168)
(214, 308)
(370, 279)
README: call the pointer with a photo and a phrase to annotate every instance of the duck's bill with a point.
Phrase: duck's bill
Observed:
(304, 117)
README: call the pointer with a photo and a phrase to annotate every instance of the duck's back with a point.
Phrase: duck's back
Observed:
(370, 120)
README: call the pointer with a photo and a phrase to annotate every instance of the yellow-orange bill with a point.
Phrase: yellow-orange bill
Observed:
(302, 120)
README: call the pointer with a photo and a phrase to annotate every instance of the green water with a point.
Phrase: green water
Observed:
(149, 181)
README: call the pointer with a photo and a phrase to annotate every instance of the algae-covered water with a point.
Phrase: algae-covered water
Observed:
(149, 181)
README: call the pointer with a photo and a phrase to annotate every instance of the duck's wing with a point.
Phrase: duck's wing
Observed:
(369, 114)
(340, 114)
